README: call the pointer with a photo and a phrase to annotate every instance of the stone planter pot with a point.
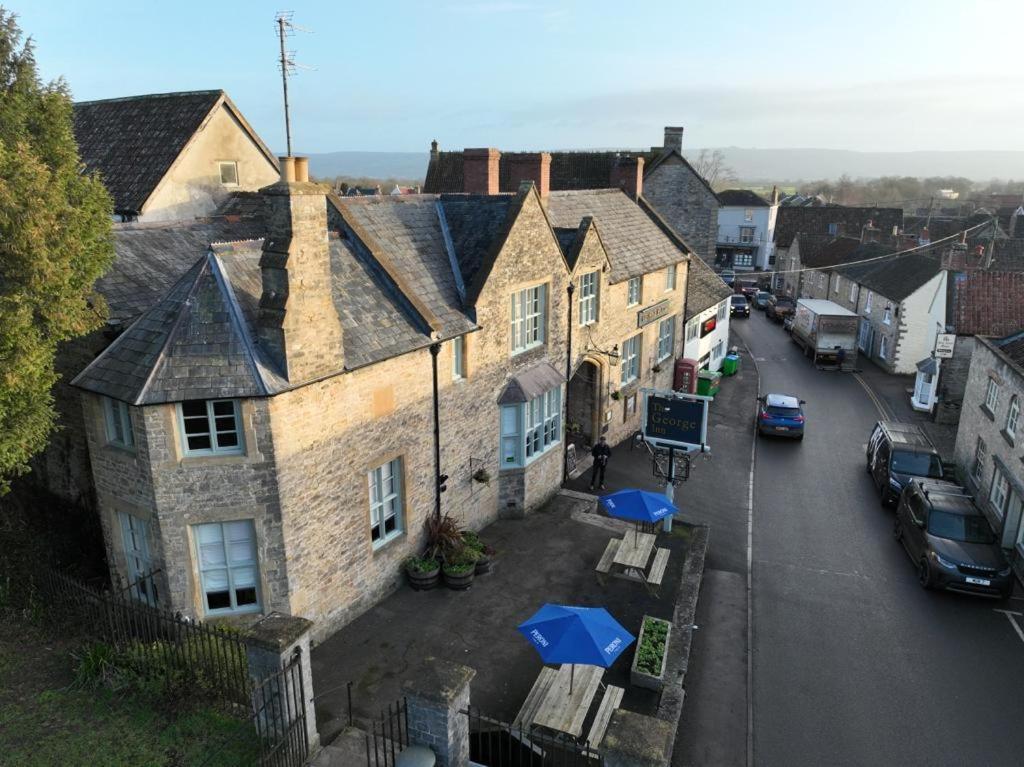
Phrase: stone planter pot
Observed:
(423, 581)
(459, 581)
(641, 678)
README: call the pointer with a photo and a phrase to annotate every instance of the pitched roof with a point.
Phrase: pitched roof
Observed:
(1013, 347)
(986, 303)
(816, 220)
(817, 252)
(742, 198)
(132, 142)
(704, 288)
(575, 170)
(896, 277)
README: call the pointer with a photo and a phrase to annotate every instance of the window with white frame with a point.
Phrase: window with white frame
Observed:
(385, 501)
(746, 234)
(999, 493)
(992, 396)
(718, 350)
(528, 318)
(833, 229)
(458, 358)
(530, 429)
(853, 292)
(1012, 416)
(633, 291)
(980, 454)
(666, 338)
(743, 259)
(692, 329)
(887, 316)
(135, 536)
(867, 302)
(670, 277)
(748, 215)
(211, 427)
(630, 363)
(723, 310)
(228, 172)
(883, 347)
(228, 566)
(588, 298)
(118, 421)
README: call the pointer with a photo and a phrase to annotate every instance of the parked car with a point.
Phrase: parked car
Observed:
(761, 299)
(728, 276)
(739, 305)
(779, 307)
(749, 289)
(950, 541)
(780, 415)
(896, 453)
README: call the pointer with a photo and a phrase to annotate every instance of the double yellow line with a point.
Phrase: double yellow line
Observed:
(879, 403)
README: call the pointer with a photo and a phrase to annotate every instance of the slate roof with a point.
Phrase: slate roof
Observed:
(1013, 347)
(818, 252)
(569, 170)
(896, 277)
(704, 288)
(816, 220)
(637, 242)
(742, 198)
(132, 142)
(475, 223)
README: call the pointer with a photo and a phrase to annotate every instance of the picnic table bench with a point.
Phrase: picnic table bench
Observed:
(611, 700)
(628, 557)
(657, 572)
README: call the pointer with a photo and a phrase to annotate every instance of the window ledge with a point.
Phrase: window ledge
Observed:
(387, 545)
(984, 409)
(121, 450)
(212, 460)
(1009, 439)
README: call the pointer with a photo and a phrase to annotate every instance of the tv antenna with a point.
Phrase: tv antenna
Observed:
(286, 28)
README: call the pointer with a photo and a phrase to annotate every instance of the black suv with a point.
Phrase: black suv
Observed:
(896, 452)
(950, 541)
(739, 305)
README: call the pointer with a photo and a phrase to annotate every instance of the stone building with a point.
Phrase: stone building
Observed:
(171, 156)
(746, 230)
(988, 455)
(680, 195)
(262, 433)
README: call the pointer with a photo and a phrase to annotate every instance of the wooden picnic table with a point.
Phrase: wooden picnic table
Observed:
(635, 551)
(563, 712)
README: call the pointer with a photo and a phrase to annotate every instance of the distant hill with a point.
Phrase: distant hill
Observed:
(751, 165)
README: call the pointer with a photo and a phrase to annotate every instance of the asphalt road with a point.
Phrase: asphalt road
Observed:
(854, 663)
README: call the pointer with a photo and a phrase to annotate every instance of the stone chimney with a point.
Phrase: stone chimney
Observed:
(531, 166)
(434, 152)
(628, 175)
(674, 138)
(298, 326)
(869, 232)
(480, 171)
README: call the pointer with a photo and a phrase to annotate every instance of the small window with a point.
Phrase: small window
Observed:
(883, 347)
(723, 310)
(458, 358)
(1012, 416)
(980, 453)
(630, 362)
(119, 423)
(992, 396)
(670, 278)
(228, 566)
(835, 288)
(692, 329)
(528, 318)
(385, 502)
(887, 316)
(748, 215)
(853, 292)
(633, 291)
(833, 229)
(746, 235)
(229, 173)
(211, 427)
(718, 350)
(588, 298)
(999, 494)
(867, 302)
(666, 338)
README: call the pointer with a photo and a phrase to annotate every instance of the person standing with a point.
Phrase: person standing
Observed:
(601, 453)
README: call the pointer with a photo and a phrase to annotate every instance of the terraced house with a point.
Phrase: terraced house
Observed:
(262, 433)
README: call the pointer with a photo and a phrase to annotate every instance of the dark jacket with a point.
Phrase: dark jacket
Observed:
(601, 453)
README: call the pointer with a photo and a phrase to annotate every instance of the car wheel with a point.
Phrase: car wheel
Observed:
(924, 575)
(897, 531)
(800, 438)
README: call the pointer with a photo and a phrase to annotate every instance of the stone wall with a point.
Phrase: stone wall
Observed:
(953, 374)
(682, 199)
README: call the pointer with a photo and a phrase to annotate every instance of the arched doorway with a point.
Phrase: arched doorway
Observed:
(584, 404)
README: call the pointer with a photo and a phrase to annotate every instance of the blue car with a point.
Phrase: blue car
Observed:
(780, 415)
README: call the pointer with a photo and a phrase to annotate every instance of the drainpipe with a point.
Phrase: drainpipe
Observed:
(435, 349)
(570, 289)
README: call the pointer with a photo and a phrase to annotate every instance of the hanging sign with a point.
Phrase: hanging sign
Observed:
(944, 343)
(671, 419)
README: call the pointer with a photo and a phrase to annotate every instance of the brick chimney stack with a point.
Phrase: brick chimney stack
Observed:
(531, 166)
(298, 326)
(674, 138)
(628, 175)
(480, 171)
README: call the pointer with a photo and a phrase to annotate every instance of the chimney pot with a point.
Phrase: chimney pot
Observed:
(480, 170)
(287, 169)
(302, 169)
(674, 138)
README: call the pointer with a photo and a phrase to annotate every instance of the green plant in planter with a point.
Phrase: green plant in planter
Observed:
(652, 649)
(472, 541)
(616, 394)
(421, 564)
(444, 537)
(461, 561)
(482, 476)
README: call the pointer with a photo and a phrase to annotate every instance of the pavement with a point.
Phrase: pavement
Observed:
(547, 557)
(853, 663)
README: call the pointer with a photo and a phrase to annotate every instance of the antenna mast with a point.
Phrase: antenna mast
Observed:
(283, 21)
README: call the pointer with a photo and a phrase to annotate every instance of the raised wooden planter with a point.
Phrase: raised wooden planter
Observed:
(641, 678)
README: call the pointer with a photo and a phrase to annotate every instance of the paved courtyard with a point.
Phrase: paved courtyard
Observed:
(547, 557)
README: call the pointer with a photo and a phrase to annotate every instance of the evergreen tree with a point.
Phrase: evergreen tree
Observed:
(55, 241)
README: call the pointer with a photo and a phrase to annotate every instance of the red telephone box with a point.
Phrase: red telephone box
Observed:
(685, 378)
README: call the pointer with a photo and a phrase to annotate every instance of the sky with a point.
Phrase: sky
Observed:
(870, 75)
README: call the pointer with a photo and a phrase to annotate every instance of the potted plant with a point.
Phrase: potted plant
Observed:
(648, 668)
(459, 569)
(484, 552)
(444, 537)
(423, 572)
(482, 476)
(616, 394)
(656, 368)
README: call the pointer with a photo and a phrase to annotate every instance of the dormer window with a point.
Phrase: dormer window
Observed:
(228, 172)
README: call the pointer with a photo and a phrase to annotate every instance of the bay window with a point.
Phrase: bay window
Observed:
(211, 427)
(530, 429)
